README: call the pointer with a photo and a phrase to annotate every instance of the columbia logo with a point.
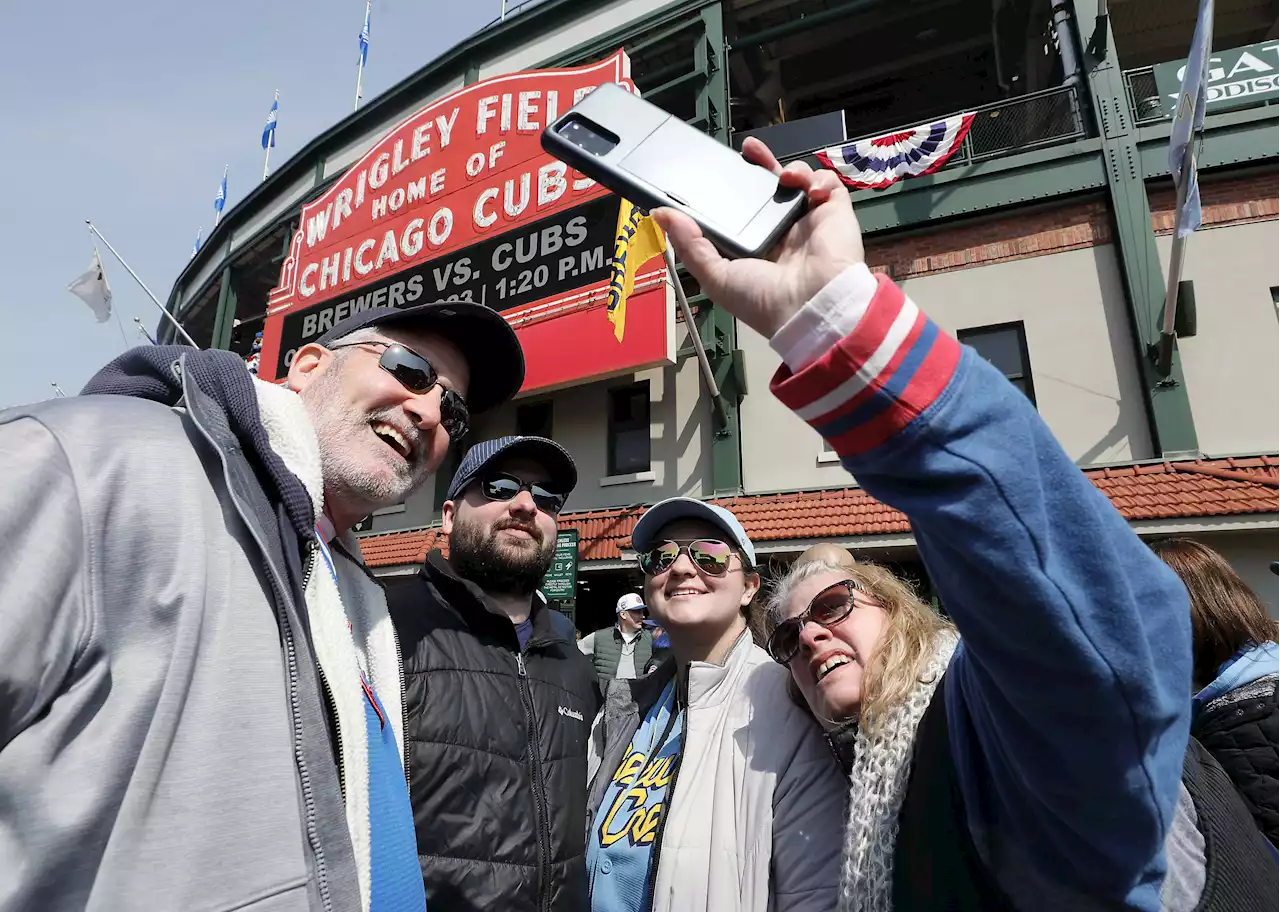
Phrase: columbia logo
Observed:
(571, 713)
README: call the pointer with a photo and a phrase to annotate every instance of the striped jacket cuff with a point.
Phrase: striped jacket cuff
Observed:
(875, 381)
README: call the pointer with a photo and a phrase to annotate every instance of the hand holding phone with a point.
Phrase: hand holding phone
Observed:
(764, 294)
(654, 159)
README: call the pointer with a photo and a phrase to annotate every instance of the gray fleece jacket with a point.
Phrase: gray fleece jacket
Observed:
(163, 738)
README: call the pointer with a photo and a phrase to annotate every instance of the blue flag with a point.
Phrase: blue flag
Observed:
(221, 199)
(195, 248)
(269, 131)
(1188, 119)
(364, 34)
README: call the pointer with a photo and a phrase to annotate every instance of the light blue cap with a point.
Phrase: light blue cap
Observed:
(673, 508)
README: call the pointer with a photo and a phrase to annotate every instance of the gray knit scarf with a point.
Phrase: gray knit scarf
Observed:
(877, 786)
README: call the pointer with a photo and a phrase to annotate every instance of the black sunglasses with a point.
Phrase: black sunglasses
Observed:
(708, 555)
(417, 375)
(828, 608)
(505, 487)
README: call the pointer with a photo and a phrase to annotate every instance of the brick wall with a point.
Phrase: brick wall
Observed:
(982, 242)
(1232, 201)
(1044, 230)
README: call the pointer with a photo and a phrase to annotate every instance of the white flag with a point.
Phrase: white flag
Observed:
(92, 288)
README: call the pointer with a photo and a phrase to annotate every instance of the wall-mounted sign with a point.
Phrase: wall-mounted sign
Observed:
(459, 202)
(1238, 78)
(561, 579)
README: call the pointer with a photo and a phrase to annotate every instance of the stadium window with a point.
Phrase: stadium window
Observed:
(629, 429)
(534, 419)
(1005, 347)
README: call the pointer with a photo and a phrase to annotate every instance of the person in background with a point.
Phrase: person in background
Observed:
(710, 790)
(827, 553)
(661, 645)
(1038, 764)
(200, 692)
(623, 650)
(499, 699)
(1234, 676)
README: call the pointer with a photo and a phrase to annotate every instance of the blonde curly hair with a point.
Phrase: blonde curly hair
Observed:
(905, 648)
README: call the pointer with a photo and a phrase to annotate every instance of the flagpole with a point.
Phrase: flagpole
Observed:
(271, 140)
(58, 393)
(368, 6)
(1164, 356)
(93, 230)
(217, 213)
(142, 329)
(717, 403)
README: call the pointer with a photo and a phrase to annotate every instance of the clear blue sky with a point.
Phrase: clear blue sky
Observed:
(126, 113)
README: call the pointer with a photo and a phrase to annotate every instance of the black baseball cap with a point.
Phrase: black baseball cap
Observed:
(563, 474)
(485, 339)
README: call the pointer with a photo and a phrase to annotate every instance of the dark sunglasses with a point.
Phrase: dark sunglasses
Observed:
(708, 555)
(416, 374)
(828, 608)
(505, 487)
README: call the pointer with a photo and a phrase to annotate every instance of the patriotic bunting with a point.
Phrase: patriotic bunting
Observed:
(883, 160)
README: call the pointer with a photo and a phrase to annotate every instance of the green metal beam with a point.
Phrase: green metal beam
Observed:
(718, 328)
(224, 318)
(1168, 408)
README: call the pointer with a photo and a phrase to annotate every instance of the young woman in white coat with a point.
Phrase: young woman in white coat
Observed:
(710, 790)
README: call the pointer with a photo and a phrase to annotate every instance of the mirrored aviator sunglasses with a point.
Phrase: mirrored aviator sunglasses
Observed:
(828, 608)
(505, 487)
(416, 374)
(708, 555)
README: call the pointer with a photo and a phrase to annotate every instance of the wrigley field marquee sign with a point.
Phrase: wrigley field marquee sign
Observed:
(460, 202)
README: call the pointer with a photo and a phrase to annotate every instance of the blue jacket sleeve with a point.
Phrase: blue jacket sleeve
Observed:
(1068, 700)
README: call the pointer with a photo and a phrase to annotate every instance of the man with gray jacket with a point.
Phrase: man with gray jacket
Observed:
(200, 687)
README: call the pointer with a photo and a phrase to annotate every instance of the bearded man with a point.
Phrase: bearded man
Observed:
(499, 699)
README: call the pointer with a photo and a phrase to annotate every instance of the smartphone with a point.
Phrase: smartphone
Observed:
(653, 158)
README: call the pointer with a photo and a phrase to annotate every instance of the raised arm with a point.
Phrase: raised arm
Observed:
(1069, 699)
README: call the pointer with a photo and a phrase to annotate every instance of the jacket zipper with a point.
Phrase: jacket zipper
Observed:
(404, 714)
(330, 703)
(291, 663)
(666, 809)
(539, 792)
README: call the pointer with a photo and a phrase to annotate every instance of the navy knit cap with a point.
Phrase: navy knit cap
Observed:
(561, 471)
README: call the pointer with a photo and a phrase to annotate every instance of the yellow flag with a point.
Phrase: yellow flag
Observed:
(638, 240)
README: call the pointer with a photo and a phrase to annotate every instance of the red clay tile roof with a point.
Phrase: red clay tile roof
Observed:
(1162, 490)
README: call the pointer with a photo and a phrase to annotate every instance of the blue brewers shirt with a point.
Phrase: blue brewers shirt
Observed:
(620, 847)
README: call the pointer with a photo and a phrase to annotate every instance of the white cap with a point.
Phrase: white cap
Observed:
(629, 602)
(673, 508)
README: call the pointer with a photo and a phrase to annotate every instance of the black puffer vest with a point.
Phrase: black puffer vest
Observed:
(938, 868)
(497, 749)
(1239, 729)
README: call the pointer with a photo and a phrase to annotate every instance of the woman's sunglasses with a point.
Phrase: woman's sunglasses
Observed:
(708, 555)
(828, 608)
(505, 487)
(416, 374)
